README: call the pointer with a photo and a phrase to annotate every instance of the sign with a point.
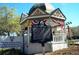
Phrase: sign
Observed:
(10, 44)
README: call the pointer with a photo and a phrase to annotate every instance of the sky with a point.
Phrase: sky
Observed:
(70, 10)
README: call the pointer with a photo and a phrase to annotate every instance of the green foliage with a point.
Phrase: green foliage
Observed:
(75, 31)
(71, 42)
(9, 20)
(10, 52)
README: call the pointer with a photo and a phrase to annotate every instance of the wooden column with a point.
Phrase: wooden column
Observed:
(23, 41)
(28, 35)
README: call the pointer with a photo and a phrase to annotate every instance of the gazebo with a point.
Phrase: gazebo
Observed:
(44, 14)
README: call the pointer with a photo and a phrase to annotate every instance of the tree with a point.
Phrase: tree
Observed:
(75, 31)
(9, 21)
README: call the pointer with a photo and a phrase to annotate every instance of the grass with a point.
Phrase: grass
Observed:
(10, 52)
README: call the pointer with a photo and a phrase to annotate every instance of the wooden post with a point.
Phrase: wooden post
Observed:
(28, 39)
(43, 48)
(23, 42)
(28, 35)
(68, 33)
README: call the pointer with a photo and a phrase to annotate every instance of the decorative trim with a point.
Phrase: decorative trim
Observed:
(32, 17)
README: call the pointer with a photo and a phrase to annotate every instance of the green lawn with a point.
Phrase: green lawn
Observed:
(6, 51)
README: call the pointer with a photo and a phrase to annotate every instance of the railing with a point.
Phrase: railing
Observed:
(59, 37)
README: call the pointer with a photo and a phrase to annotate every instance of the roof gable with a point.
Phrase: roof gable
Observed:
(23, 16)
(38, 11)
(57, 12)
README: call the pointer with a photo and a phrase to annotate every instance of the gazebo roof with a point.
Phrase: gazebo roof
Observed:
(43, 6)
